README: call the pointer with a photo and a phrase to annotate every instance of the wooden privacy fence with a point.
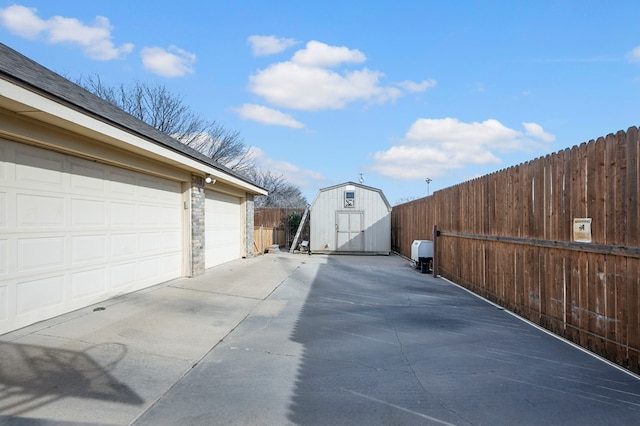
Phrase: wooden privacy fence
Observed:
(265, 237)
(509, 236)
(278, 217)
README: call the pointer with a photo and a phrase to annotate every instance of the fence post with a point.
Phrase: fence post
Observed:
(435, 251)
(262, 239)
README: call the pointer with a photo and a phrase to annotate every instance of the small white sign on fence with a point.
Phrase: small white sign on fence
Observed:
(582, 230)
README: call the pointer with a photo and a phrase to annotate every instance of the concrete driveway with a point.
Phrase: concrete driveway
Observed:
(295, 339)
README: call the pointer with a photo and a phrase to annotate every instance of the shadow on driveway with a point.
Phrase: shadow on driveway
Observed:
(34, 376)
(384, 344)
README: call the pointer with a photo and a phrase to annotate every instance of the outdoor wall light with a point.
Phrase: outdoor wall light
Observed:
(209, 179)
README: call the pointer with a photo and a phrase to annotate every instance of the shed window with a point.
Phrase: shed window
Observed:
(349, 198)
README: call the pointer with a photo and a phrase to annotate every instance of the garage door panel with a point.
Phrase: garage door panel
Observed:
(223, 232)
(4, 302)
(123, 214)
(167, 215)
(4, 206)
(123, 275)
(4, 257)
(88, 212)
(39, 169)
(40, 253)
(149, 241)
(170, 263)
(122, 185)
(157, 191)
(150, 268)
(168, 192)
(169, 240)
(88, 283)
(4, 165)
(39, 211)
(39, 293)
(80, 232)
(149, 215)
(88, 248)
(87, 180)
(123, 245)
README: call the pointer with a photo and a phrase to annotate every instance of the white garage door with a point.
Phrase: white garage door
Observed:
(223, 232)
(74, 232)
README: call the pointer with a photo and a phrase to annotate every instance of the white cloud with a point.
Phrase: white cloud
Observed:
(22, 21)
(443, 145)
(451, 131)
(318, 54)
(269, 45)
(411, 86)
(300, 177)
(171, 62)
(291, 85)
(95, 39)
(536, 131)
(310, 81)
(267, 116)
(634, 55)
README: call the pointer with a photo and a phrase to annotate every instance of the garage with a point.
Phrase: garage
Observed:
(75, 232)
(95, 203)
(223, 228)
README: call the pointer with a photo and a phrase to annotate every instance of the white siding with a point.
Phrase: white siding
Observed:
(74, 232)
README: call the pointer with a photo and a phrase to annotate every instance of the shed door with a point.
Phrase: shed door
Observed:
(350, 234)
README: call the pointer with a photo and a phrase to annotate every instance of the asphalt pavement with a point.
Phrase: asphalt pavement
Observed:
(305, 340)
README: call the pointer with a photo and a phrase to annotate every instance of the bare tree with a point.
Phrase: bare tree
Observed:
(407, 199)
(156, 106)
(281, 192)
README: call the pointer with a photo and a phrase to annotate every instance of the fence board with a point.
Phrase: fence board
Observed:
(597, 320)
(557, 217)
(265, 237)
(567, 183)
(613, 323)
(633, 304)
(594, 191)
(622, 306)
(538, 200)
(633, 177)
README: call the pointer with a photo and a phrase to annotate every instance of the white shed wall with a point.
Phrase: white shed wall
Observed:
(328, 214)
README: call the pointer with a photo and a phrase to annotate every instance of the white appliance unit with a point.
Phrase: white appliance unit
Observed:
(422, 255)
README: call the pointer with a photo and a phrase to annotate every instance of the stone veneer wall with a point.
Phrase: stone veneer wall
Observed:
(249, 239)
(197, 225)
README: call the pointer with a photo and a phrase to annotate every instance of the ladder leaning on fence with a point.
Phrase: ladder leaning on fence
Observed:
(295, 239)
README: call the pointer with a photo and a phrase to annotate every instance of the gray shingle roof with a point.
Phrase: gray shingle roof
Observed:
(27, 73)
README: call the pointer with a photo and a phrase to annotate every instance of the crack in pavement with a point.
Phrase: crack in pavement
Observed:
(415, 374)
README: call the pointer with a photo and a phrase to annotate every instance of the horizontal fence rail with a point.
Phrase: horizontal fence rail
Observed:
(567, 245)
(509, 236)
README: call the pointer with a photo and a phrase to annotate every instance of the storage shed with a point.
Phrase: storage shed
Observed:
(350, 218)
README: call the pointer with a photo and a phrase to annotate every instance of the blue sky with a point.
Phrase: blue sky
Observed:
(399, 90)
